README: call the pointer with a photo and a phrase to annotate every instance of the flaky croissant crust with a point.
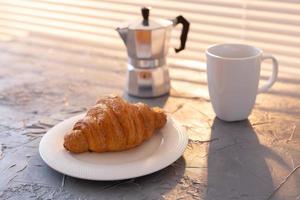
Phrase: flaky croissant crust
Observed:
(114, 125)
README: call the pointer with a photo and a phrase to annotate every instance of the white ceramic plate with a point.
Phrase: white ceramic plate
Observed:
(160, 151)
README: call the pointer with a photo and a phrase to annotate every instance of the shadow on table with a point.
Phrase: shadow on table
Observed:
(156, 101)
(152, 186)
(237, 167)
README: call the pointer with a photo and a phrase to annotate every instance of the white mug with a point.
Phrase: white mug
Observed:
(233, 72)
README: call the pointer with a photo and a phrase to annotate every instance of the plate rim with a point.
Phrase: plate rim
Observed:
(181, 132)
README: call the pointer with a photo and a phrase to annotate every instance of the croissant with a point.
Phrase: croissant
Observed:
(114, 125)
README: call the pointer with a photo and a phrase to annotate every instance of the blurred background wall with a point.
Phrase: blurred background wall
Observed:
(272, 25)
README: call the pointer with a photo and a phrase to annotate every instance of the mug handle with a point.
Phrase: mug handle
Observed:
(273, 77)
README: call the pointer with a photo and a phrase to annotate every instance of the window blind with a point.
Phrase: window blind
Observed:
(272, 25)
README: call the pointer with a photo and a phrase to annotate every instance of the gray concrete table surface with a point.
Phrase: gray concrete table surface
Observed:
(46, 79)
